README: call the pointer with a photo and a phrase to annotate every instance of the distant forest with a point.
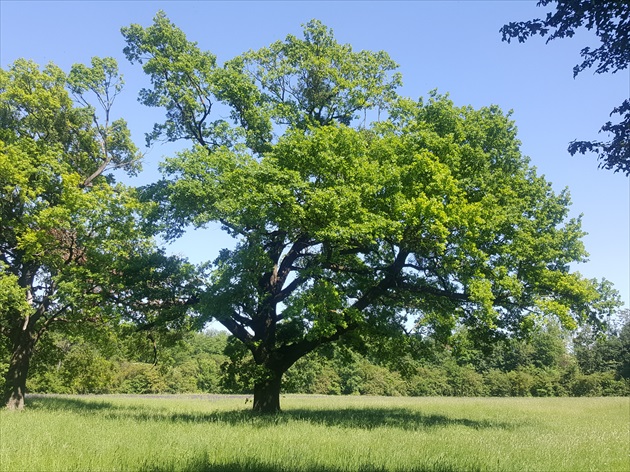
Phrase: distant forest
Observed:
(547, 363)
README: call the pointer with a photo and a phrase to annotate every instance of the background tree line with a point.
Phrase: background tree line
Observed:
(549, 362)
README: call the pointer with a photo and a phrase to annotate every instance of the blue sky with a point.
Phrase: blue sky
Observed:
(451, 46)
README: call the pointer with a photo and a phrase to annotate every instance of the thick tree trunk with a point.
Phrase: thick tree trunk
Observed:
(15, 378)
(267, 393)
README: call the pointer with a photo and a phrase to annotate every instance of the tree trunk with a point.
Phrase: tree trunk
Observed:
(267, 393)
(15, 378)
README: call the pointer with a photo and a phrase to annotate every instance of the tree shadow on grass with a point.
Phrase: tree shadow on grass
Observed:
(54, 401)
(366, 418)
(202, 463)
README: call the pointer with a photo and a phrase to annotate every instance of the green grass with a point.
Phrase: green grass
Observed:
(327, 434)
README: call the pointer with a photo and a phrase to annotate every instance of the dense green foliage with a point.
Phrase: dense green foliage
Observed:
(610, 21)
(327, 434)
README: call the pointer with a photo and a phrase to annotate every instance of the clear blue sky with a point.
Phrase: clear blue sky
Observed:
(452, 46)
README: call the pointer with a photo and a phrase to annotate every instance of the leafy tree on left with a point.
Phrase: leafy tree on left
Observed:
(70, 237)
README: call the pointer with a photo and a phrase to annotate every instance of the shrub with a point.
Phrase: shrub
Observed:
(599, 384)
(47, 382)
(312, 374)
(521, 383)
(586, 385)
(141, 378)
(428, 382)
(209, 374)
(498, 383)
(465, 382)
(377, 380)
(87, 371)
(182, 378)
(547, 383)
(613, 387)
(82, 369)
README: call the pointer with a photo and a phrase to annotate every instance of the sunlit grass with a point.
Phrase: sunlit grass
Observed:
(332, 434)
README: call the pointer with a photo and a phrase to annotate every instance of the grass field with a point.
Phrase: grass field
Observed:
(327, 434)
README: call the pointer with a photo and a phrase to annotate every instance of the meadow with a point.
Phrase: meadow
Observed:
(316, 433)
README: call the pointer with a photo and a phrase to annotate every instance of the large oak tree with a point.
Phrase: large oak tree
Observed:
(351, 207)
